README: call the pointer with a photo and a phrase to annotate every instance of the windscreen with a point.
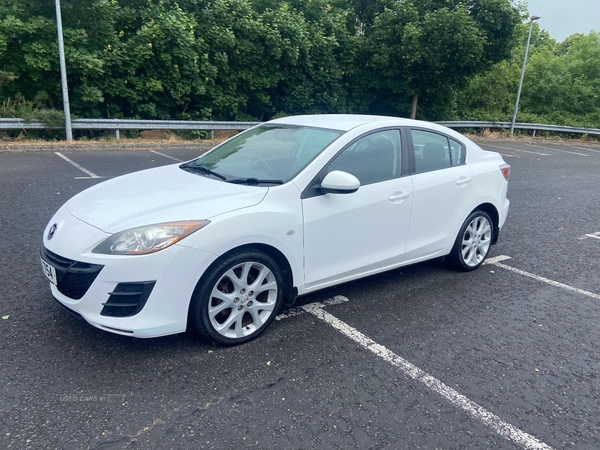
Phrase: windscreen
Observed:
(273, 152)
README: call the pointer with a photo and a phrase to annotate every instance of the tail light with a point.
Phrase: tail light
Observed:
(505, 169)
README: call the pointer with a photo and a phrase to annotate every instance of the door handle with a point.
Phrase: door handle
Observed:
(399, 196)
(463, 180)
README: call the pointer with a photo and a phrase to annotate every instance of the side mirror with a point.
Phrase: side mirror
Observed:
(338, 182)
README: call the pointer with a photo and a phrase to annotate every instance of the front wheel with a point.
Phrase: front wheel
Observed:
(473, 242)
(238, 298)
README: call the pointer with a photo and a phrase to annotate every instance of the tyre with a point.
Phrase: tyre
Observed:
(237, 298)
(473, 242)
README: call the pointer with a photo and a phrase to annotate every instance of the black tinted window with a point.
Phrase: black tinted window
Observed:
(433, 151)
(372, 159)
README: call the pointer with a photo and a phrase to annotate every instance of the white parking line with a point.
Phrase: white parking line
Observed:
(476, 411)
(593, 235)
(83, 169)
(496, 259)
(337, 300)
(496, 262)
(166, 156)
(587, 149)
(517, 150)
(555, 149)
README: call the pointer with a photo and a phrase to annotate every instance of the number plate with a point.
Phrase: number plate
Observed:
(49, 271)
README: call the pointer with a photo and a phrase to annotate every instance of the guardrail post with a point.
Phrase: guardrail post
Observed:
(117, 134)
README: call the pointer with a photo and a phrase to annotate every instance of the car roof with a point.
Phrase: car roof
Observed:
(341, 122)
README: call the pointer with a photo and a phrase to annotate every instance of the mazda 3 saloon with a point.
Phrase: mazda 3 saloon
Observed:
(283, 209)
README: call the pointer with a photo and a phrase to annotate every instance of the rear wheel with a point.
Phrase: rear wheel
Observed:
(473, 242)
(238, 298)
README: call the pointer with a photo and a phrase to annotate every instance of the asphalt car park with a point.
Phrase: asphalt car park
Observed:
(419, 357)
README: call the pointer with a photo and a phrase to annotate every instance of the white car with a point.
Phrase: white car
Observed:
(283, 209)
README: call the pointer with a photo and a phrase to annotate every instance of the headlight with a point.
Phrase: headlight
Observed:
(148, 239)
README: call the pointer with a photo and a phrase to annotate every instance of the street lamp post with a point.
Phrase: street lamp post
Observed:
(514, 119)
(63, 73)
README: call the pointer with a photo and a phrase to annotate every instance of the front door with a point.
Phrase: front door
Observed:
(346, 235)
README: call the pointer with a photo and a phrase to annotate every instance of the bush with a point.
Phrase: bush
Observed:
(21, 108)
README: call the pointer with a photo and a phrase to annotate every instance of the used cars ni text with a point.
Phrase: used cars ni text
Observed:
(283, 209)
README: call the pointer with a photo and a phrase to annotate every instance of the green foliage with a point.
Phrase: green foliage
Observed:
(258, 59)
(17, 108)
(561, 84)
(271, 57)
(51, 117)
(27, 110)
(193, 134)
(571, 78)
(6, 77)
(156, 64)
(428, 48)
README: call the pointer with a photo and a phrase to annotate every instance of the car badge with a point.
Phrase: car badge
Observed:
(52, 230)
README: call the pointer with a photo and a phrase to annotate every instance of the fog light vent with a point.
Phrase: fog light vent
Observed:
(127, 299)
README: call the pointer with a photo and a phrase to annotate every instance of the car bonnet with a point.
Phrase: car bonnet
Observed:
(159, 195)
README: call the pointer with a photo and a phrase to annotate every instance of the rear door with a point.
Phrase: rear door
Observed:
(442, 192)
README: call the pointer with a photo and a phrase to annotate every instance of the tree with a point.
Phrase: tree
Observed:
(251, 59)
(278, 57)
(561, 84)
(158, 64)
(566, 80)
(431, 46)
(28, 48)
(221, 59)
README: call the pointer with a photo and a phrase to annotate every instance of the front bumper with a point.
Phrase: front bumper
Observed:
(140, 296)
(172, 278)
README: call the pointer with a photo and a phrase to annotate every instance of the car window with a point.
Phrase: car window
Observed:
(456, 152)
(276, 152)
(431, 151)
(372, 159)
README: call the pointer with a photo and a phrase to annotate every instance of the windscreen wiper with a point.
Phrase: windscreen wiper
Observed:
(254, 181)
(193, 168)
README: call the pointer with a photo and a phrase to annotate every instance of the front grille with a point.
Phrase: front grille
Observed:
(74, 278)
(127, 299)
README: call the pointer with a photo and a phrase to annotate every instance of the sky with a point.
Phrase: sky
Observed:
(562, 18)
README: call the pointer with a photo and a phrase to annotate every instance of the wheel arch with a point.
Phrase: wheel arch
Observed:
(290, 291)
(491, 211)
